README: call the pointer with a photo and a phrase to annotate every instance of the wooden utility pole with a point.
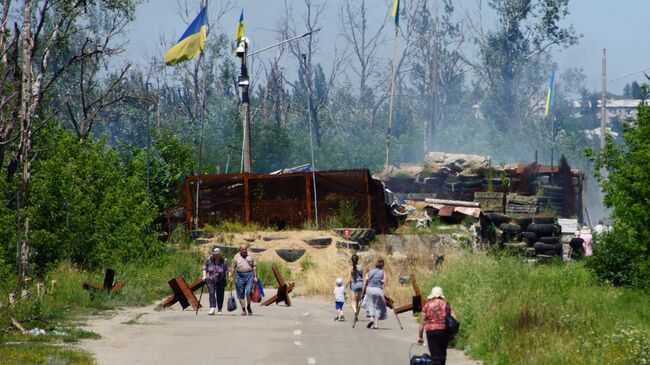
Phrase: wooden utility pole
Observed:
(603, 102)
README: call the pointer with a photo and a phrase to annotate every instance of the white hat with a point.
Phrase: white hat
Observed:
(436, 292)
(216, 251)
(577, 233)
(339, 281)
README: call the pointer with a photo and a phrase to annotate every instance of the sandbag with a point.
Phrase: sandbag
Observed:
(544, 220)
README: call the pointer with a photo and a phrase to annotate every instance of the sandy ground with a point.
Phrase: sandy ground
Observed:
(304, 333)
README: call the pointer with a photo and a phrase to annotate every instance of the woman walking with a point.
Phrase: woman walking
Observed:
(215, 270)
(433, 322)
(375, 303)
(356, 282)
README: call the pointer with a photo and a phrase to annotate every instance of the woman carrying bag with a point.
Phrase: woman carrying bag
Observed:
(438, 319)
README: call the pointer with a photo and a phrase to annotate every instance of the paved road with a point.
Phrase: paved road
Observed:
(305, 333)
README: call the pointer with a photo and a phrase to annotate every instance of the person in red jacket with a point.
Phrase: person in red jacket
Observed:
(432, 321)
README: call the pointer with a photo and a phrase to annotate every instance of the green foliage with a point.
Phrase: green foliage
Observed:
(265, 273)
(87, 207)
(66, 301)
(510, 310)
(623, 256)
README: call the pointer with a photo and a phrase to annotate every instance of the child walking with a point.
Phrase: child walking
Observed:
(339, 298)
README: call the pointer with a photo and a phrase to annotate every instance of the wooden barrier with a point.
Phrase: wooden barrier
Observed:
(283, 290)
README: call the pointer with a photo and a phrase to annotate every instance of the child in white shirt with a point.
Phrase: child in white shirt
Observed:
(339, 298)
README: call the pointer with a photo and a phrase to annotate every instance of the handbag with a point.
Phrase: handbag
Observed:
(232, 303)
(256, 295)
(452, 325)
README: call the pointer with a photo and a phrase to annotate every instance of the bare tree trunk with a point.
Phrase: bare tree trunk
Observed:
(26, 126)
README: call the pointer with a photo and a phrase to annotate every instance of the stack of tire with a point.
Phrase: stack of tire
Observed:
(536, 236)
(436, 179)
(470, 184)
(551, 198)
(543, 234)
(452, 187)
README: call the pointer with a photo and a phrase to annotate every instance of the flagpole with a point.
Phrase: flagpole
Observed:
(390, 106)
(204, 3)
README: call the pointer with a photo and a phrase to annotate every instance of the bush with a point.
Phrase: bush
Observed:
(624, 255)
(618, 259)
(514, 312)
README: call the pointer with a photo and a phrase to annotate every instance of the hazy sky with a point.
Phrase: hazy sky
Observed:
(619, 26)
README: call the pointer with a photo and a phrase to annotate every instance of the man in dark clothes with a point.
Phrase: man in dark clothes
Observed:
(577, 249)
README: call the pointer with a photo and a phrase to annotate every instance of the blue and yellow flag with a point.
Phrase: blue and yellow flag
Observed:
(192, 43)
(551, 91)
(396, 14)
(240, 27)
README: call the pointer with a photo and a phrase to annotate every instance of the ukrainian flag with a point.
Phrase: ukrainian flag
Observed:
(192, 43)
(550, 93)
(240, 27)
(396, 14)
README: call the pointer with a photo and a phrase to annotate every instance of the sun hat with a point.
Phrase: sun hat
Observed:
(216, 251)
(436, 292)
(339, 281)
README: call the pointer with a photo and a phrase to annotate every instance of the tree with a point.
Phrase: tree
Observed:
(45, 33)
(513, 57)
(623, 256)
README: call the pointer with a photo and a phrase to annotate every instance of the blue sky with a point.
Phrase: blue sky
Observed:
(619, 26)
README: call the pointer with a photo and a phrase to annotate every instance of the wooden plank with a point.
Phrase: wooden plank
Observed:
(171, 300)
(178, 293)
(274, 298)
(108, 278)
(308, 197)
(460, 203)
(247, 201)
(404, 308)
(278, 276)
(189, 294)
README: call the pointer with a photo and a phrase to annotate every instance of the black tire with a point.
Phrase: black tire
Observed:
(498, 219)
(542, 229)
(549, 240)
(544, 220)
(510, 227)
(523, 222)
(545, 247)
(529, 237)
(472, 184)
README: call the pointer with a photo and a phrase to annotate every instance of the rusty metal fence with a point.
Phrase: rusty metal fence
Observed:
(286, 200)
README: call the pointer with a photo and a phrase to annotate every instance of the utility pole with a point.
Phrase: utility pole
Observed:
(311, 134)
(148, 143)
(244, 83)
(603, 101)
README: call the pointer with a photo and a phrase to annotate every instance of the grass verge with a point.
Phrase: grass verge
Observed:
(513, 312)
(65, 305)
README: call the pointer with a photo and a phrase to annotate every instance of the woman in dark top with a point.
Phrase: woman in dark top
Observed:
(355, 281)
(215, 270)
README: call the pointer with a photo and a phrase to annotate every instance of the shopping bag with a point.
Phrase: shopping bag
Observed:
(259, 285)
(256, 296)
(232, 303)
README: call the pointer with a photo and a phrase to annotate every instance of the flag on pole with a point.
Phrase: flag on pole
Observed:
(396, 14)
(551, 91)
(240, 27)
(191, 43)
